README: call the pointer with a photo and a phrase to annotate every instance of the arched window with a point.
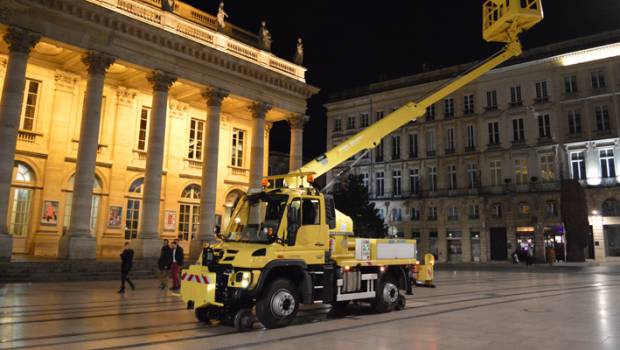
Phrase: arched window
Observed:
(20, 203)
(611, 207)
(132, 217)
(95, 203)
(189, 212)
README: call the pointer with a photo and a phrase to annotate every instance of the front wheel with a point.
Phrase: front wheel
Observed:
(278, 305)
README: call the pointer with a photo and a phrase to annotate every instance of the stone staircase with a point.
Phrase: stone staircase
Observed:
(53, 270)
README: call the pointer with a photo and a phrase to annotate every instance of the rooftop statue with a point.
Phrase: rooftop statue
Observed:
(265, 37)
(299, 53)
(168, 5)
(221, 17)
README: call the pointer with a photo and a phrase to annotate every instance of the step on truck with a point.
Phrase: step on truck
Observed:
(287, 244)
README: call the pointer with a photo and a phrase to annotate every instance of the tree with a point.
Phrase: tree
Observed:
(352, 199)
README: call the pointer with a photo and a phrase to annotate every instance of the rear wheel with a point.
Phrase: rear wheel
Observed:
(202, 314)
(278, 305)
(387, 296)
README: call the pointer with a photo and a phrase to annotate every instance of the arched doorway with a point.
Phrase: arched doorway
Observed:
(229, 204)
(134, 202)
(20, 205)
(95, 204)
(611, 207)
(189, 213)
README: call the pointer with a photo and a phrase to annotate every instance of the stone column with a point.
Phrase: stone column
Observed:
(208, 190)
(296, 121)
(259, 111)
(20, 43)
(79, 243)
(147, 245)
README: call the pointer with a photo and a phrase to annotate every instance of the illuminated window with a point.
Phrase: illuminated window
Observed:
(132, 215)
(196, 129)
(29, 111)
(578, 165)
(608, 168)
(521, 171)
(238, 144)
(495, 168)
(189, 212)
(547, 167)
(20, 203)
(574, 123)
(143, 128)
(365, 180)
(524, 209)
(396, 183)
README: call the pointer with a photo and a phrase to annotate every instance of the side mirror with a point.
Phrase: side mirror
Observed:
(330, 211)
(292, 225)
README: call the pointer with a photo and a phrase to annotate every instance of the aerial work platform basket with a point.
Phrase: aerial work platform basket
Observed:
(503, 20)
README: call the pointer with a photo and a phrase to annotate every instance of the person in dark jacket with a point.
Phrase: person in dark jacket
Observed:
(177, 263)
(165, 259)
(126, 263)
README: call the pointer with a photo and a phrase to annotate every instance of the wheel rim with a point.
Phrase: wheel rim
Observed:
(282, 303)
(390, 293)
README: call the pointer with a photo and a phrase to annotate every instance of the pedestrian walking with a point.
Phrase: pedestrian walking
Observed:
(529, 260)
(177, 262)
(126, 263)
(165, 259)
(515, 256)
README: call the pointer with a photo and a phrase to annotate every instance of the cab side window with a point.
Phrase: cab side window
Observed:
(310, 209)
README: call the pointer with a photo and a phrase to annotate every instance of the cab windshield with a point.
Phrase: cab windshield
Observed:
(256, 218)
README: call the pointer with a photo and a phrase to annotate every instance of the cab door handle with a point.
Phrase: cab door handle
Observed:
(319, 244)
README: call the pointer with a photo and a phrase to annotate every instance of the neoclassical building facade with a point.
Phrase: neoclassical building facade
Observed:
(477, 177)
(121, 121)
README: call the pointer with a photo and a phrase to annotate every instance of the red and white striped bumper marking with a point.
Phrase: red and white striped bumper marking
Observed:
(196, 278)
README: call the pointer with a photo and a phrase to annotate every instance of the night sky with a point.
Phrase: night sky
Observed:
(353, 43)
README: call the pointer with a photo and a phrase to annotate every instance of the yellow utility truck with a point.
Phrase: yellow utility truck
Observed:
(286, 243)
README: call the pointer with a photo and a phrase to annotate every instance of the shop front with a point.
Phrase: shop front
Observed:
(555, 243)
(525, 242)
(455, 246)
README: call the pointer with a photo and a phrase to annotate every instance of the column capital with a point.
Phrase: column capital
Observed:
(297, 120)
(214, 96)
(97, 62)
(161, 81)
(259, 109)
(268, 127)
(21, 40)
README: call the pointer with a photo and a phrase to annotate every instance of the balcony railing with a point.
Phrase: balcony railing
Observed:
(541, 99)
(515, 104)
(26, 136)
(202, 34)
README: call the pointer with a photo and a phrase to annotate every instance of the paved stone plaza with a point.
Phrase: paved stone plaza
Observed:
(494, 309)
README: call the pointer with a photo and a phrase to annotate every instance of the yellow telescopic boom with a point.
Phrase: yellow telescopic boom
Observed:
(502, 21)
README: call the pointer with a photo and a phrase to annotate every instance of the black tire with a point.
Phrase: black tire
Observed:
(339, 309)
(278, 305)
(244, 320)
(387, 296)
(202, 314)
(401, 303)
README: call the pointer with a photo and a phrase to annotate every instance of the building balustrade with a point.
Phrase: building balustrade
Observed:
(515, 104)
(27, 136)
(153, 14)
(541, 100)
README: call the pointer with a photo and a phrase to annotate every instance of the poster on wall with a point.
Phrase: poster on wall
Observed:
(114, 218)
(170, 220)
(49, 215)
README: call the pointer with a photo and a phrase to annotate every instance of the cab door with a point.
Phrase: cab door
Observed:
(309, 240)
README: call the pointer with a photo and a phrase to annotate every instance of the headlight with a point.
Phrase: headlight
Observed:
(243, 278)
